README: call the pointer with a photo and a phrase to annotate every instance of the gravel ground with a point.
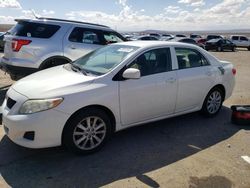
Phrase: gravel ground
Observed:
(186, 151)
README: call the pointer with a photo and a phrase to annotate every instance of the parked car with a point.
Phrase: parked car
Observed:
(191, 41)
(156, 35)
(220, 45)
(2, 41)
(210, 37)
(145, 37)
(180, 35)
(46, 42)
(195, 36)
(241, 41)
(80, 105)
(201, 41)
(168, 35)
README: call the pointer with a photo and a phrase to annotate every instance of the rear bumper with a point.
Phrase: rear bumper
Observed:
(15, 70)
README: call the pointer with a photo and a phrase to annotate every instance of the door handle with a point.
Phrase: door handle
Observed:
(171, 80)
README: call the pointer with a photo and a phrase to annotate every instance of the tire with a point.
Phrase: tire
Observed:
(52, 63)
(248, 48)
(87, 131)
(213, 102)
(16, 77)
(233, 49)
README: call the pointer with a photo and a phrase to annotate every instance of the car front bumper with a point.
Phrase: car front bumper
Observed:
(46, 126)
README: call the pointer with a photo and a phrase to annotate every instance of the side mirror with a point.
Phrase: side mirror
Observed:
(131, 73)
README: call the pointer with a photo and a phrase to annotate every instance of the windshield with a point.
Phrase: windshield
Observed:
(104, 59)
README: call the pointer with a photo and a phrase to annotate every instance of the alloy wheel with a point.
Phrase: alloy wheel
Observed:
(214, 102)
(89, 133)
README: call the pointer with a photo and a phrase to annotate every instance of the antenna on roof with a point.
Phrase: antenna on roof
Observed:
(34, 14)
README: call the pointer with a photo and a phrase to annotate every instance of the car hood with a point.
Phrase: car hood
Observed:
(53, 82)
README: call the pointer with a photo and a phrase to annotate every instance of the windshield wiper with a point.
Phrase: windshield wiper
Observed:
(75, 67)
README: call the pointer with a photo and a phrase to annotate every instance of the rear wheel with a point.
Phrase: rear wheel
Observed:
(87, 132)
(248, 48)
(16, 77)
(213, 102)
(52, 62)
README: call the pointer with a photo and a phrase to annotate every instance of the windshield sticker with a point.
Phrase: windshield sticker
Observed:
(128, 50)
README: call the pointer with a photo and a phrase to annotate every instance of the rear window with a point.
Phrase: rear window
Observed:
(36, 30)
(235, 38)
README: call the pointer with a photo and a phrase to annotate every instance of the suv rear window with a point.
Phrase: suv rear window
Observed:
(36, 30)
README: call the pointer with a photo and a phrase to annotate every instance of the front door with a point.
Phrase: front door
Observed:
(154, 94)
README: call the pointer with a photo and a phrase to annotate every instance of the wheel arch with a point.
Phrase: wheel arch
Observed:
(221, 87)
(44, 64)
(100, 107)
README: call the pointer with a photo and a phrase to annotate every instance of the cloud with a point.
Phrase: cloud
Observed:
(122, 2)
(48, 12)
(226, 14)
(6, 19)
(172, 9)
(10, 4)
(195, 3)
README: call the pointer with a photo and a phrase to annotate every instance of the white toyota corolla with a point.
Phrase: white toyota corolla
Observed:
(80, 105)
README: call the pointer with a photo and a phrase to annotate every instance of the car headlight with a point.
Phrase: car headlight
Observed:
(32, 106)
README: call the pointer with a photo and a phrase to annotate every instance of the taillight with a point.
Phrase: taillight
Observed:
(234, 71)
(18, 43)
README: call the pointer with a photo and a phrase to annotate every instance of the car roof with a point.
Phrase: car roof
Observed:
(150, 44)
(63, 21)
(215, 40)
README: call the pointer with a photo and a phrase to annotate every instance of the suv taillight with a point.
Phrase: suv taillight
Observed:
(18, 43)
(234, 71)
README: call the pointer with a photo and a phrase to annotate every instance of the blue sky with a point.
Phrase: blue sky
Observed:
(137, 14)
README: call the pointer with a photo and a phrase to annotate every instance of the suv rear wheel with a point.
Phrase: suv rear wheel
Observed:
(52, 62)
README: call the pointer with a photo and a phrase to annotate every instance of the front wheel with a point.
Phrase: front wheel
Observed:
(87, 131)
(213, 102)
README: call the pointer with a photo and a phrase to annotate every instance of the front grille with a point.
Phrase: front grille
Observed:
(10, 103)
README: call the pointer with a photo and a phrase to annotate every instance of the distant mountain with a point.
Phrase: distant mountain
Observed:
(231, 31)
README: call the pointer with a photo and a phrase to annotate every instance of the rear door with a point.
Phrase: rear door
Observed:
(81, 41)
(244, 42)
(194, 78)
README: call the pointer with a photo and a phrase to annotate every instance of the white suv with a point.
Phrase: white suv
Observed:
(241, 41)
(41, 43)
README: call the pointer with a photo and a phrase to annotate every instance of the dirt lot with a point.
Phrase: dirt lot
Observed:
(187, 151)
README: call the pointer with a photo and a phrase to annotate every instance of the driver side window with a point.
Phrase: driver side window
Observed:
(153, 62)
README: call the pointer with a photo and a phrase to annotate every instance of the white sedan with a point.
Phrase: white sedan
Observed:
(80, 105)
